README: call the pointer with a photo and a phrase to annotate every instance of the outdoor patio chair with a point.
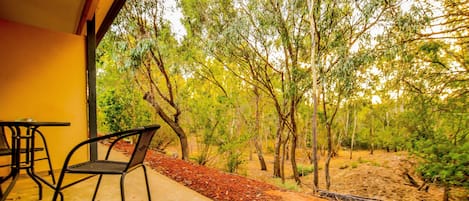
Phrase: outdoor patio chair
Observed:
(5, 150)
(109, 167)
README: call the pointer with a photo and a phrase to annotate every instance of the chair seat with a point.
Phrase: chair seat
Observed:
(5, 152)
(102, 167)
(99, 167)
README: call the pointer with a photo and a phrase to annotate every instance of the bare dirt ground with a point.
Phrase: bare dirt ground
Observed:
(380, 176)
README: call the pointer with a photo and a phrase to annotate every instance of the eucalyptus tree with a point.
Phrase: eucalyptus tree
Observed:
(120, 105)
(150, 50)
(262, 43)
(344, 30)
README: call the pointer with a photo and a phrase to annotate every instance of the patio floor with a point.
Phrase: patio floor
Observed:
(161, 188)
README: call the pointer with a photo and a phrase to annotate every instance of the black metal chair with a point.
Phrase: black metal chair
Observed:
(5, 150)
(109, 167)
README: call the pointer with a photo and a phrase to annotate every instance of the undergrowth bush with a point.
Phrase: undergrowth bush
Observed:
(288, 185)
(304, 170)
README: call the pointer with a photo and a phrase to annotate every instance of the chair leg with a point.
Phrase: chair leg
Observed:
(97, 186)
(58, 186)
(146, 182)
(51, 170)
(122, 187)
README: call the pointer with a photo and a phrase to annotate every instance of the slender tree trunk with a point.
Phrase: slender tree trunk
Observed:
(287, 151)
(347, 125)
(278, 144)
(282, 165)
(294, 141)
(329, 156)
(315, 97)
(257, 145)
(260, 156)
(371, 131)
(329, 121)
(354, 130)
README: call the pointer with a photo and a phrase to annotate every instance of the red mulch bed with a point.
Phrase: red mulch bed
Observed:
(212, 183)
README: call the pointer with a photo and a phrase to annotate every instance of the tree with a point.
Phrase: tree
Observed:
(151, 52)
(260, 44)
(314, 121)
(120, 103)
(343, 28)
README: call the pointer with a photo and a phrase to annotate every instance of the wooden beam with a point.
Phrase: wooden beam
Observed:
(87, 14)
(109, 18)
(91, 73)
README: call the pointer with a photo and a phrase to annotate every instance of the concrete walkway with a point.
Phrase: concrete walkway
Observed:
(162, 188)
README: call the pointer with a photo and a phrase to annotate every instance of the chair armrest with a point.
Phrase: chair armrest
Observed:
(145, 128)
(119, 135)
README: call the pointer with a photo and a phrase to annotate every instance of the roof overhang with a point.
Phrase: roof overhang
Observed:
(67, 16)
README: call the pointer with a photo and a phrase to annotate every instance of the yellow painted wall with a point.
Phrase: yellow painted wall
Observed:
(42, 76)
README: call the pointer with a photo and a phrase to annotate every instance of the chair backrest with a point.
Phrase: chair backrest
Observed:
(3, 139)
(141, 147)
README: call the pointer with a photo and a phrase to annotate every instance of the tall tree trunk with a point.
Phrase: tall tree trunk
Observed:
(294, 141)
(315, 97)
(371, 131)
(354, 130)
(347, 124)
(296, 175)
(329, 156)
(257, 145)
(329, 120)
(260, 156)
(287, 151)
(278, 145)
(282, 164)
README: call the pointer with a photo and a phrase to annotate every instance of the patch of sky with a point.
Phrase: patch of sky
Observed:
(173, 14)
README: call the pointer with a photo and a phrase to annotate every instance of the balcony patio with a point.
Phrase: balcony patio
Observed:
(161, 187)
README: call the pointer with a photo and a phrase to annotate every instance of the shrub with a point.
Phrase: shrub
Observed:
(304, 170)
(361, 160)
(292, 186)
(234, 161)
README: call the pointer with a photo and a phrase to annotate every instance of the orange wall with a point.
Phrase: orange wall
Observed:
(42, 76)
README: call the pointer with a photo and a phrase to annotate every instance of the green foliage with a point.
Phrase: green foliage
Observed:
(443, 162)
(201, 158)
(234, 160)
(439, 139)
(354, 165)
(120, 104)
(288, 185)
(305, 170)
(361, 160)
(113, 108)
